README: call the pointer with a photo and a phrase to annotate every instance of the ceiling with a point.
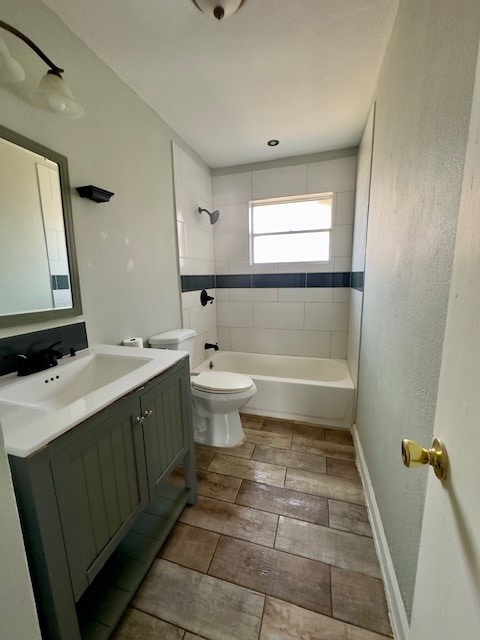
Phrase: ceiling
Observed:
(302, 71)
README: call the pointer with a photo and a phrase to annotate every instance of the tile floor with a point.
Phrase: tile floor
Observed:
(277, 547)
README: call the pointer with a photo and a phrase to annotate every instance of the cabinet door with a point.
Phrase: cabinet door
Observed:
(100, 482)
(166, 408)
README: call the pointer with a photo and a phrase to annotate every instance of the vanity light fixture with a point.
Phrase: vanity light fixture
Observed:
(218, 8)
(53, 93)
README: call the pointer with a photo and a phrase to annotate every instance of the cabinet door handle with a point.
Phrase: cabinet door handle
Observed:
(148, 414)
(139, 420)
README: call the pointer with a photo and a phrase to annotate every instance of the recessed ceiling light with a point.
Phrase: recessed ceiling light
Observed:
(273, 143)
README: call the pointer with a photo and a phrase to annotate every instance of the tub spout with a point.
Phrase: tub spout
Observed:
(212, 346)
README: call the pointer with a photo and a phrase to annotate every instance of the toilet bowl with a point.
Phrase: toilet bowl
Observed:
(216, 395)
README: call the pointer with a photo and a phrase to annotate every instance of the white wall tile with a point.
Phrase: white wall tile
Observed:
(198, 244)
(223, 335)
(342, 241)
(304, 343)
(353, 343)
(223, 295)
(230, 246)
(195, 177)
(203, 319)
(357, 299)
(232, 189)
(253, 340)
(254, 295)
(305, 267)
(191, 266)
(191, 299)
(304, 294)
(280, 181)
(332, 175)
(186, 318)
(182, 250)
(325, 316)
(341, 294)
(237, 218)
(339, 344)
(51, 237)
(343, 263)
(344, 207)
(221, 267)
(235, 314)
(186, 204)
(279, 315)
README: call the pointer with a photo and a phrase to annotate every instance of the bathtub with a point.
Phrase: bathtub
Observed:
(318, 390)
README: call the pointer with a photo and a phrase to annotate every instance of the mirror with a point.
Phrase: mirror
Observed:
(38, 275)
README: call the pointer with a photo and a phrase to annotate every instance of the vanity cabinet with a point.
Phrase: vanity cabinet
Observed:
(97, 503)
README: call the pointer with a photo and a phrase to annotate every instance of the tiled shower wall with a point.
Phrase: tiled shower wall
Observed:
(193, 189)
(362, 200)
(291, 312)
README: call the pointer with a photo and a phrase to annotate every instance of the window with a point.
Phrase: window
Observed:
(295, 229)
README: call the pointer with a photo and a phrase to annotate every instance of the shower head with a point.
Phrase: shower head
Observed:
(213, 216)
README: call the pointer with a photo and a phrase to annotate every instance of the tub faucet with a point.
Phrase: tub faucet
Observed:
(212, 346)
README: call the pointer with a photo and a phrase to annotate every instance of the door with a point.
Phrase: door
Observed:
(447, 590)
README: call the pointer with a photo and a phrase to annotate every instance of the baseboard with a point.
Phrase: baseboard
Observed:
(398, 616)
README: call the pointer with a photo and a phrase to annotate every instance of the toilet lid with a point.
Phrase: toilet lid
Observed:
(222, 381)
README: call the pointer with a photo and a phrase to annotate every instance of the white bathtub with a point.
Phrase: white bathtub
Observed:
(317, 390)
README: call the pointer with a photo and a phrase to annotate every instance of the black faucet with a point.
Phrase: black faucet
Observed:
(38, 361)
(211, 346)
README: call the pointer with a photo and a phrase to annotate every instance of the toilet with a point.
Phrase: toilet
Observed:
(217, 396)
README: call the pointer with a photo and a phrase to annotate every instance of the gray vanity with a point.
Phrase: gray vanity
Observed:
(97, 502)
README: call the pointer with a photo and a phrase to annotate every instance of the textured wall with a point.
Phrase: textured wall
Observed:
(423, 105)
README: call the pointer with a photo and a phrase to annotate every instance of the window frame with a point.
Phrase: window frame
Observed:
(328, 195)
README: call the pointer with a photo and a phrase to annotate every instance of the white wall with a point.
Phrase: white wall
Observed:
(290, 321)
(362, 199)
(126, 250)
(423, 105)
(193, 189)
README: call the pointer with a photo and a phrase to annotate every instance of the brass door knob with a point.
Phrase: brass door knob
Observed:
(414, 455)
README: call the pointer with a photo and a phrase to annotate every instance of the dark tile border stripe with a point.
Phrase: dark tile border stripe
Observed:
(197, 283)
(337, 279)
(358, 280)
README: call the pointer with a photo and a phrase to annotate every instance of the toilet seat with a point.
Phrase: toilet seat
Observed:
(221, 382)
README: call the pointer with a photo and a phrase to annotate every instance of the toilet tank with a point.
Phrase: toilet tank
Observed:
(175, 339)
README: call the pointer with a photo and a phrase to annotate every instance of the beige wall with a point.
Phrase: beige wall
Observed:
(126, 250)
(423, 106)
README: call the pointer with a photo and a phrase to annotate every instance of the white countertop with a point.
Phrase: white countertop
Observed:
(26, 429)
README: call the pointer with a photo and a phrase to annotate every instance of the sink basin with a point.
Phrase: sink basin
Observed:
(37, 409)
(59, 386)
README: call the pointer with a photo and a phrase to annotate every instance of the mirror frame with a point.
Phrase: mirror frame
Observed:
(62, 162)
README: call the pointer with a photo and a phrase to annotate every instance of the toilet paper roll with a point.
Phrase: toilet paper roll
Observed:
(133, 342)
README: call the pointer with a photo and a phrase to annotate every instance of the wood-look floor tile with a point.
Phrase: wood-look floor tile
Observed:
(285, 621)
(323, 447)
(282, 575)
(277, 440)
(137, 625)
(340, 436)
(349, 517)
(201, 604)
(338, 548)
(232, 520)
(216, 485)
(192, 636)
(190, 546)
(284, 502)
(326, 486)
(360, 600)
(342, 468)
(243, 450)
(294, 459)
(294, 429)
(250, 421)
(248, 469)
(203, 457)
